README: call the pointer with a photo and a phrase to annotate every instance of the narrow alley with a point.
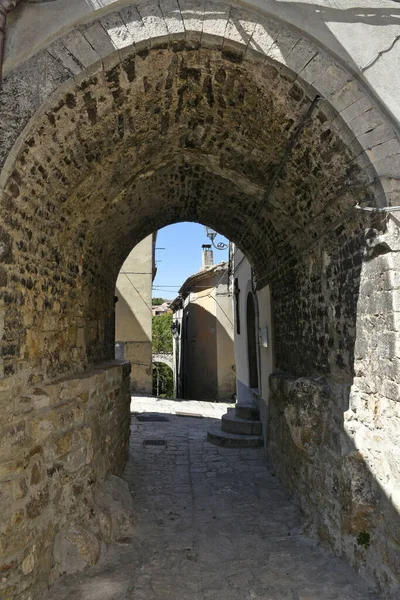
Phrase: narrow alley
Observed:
(210, 523)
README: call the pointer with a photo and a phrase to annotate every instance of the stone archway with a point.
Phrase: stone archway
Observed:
(142, 119)
(165, 357)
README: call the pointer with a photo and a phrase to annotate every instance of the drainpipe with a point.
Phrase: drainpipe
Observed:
(5, 7)
(255, 298)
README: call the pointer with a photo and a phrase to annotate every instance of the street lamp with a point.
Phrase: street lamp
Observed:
(175, 330)
(212, 234)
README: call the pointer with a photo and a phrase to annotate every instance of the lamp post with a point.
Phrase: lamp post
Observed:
(175, 330)
(212, 234)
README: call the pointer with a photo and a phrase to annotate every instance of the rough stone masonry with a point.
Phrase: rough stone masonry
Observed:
(158, 113)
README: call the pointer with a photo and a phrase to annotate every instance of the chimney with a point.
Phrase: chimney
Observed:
(207, 257)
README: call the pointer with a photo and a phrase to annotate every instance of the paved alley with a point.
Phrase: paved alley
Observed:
(212, 523)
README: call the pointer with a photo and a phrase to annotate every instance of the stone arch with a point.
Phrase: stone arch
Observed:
(88, 55)
(233, 95)
(100, 43)
(165, 358)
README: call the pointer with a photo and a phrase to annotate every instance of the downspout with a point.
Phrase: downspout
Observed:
(255, 299)
(5, 7)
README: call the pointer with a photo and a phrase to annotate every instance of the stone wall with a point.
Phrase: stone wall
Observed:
(334, 414)
(140, 355)
(314, 298)
(339, 491)
(58, 443)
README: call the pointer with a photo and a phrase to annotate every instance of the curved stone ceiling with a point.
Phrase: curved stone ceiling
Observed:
(189, 120)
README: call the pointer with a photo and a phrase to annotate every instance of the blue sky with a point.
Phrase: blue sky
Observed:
(181, 257)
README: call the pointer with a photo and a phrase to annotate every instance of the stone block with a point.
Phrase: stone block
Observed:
(6, 493)
(239, 29)
(13, 438)
(286, 43)
(75, 549)
(300, 55)
(98, 38)
(14, 539)
(192, 12)
(153, 21)
(80, 48)
(118, 32)
(32, 402)
(215, 21)
(331, 79)
(358, 496)
(377, 135)
(387, 166)
(382, 148)
(114, 505)
(346, 95)
(172, 17)
(134, 24)
(12, 468)
(307, 408)
(58, 51)
(64, 443)
(37, 503)
(371, 119)
(28, 564)
(42, 427)
(315, 68)
(263, 38)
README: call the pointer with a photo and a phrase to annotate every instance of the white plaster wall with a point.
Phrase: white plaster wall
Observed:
(242, 271)
(363, 34)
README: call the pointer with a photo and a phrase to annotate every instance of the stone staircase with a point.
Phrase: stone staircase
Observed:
(240, 428)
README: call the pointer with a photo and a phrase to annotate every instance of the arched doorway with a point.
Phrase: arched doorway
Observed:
(251, 342)
(163, 379)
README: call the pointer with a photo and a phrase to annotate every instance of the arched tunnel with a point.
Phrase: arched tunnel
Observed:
(225, 117)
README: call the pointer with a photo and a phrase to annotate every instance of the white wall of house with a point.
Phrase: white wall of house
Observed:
(242, 272)
(265, 364)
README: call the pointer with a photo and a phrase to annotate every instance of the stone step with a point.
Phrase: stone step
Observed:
(233, 424)
(216, 436)
(247, 411)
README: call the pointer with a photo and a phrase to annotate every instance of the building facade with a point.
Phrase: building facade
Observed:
(253, 337)
(162, 309)
(204, 363)
(133, 313)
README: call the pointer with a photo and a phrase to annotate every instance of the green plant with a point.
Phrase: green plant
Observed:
(163, 383)
(162, 334)
(364, 539)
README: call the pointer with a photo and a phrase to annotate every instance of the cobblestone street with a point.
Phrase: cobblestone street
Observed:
(212, 523)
